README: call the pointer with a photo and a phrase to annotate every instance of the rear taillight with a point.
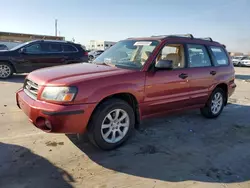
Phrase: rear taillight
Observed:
(85, 53)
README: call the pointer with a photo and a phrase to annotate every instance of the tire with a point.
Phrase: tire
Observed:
(96, 132)
(208, 111)
(91, 58)
(6, 70)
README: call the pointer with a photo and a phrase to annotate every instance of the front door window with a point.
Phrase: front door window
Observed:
(35, 48)
(174, 53)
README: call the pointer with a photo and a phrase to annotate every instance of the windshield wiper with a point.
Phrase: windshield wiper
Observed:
(104, 63)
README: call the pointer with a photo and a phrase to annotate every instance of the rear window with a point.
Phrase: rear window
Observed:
(220, 56)
(69, 48)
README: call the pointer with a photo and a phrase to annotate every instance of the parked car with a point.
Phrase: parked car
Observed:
(109, 97)
(237, 59)
(245, 62)
(94, 54)
(38, 54)
(3, 47)
(8, 45)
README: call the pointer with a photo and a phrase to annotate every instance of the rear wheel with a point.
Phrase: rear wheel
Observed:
(91, 58)
(215, 104)
(6, 70)
(111, 124)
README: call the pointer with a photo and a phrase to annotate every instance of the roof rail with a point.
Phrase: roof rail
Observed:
(182, 35)
(207, 38)
(175, 35)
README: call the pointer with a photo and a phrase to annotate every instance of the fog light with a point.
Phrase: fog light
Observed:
(47, 124)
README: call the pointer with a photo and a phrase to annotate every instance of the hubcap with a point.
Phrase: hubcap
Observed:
(4, 71)
(217, 103)
(115, 126)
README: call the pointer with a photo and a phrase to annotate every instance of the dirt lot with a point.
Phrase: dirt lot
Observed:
(183, 150)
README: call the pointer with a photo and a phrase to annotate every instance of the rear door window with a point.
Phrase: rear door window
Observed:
(52, 47)
(220, 56)
(69, 48)
(55, 47)
(198, 56)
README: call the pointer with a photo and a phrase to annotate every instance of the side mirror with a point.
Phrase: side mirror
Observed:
(23, 50)
(164, 64)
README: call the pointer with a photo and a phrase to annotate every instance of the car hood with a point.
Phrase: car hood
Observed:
(74, 73)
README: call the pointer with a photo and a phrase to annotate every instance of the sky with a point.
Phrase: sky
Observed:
(227, 21)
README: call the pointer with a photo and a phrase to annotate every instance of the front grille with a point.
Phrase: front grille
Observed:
(30, 88)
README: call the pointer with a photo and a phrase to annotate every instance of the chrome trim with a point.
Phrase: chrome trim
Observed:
(31, 88)
(29, 94)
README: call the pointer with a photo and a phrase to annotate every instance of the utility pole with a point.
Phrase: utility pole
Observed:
(56, 27)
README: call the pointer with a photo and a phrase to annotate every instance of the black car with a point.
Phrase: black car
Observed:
(3, 47)
(38, 54)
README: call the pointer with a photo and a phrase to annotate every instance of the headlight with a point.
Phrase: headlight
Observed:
(61, 94)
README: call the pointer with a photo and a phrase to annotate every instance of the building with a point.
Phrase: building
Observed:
(22, 37)
(236, 53)
(13, 39)
(99, 44)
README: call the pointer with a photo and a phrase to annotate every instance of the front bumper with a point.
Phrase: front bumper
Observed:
(245, 64)
(62, 118)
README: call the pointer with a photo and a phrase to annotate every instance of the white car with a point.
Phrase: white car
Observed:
(94, 54)
(237, 59)
(245, 62)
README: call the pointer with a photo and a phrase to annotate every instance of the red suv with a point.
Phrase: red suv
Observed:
(135, 79)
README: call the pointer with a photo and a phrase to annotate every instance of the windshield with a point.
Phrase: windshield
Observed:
(19, 46)
(128, 54)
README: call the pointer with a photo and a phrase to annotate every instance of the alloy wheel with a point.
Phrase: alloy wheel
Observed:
(115, 126)
(5, 71)
(217, 103)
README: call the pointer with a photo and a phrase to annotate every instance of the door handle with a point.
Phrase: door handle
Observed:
(213, 73)
(183, 75)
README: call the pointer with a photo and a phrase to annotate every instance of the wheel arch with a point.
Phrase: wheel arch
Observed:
(224, 87)
(11, 64)
(127, 97)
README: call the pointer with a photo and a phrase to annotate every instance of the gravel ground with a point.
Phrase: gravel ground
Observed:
(181, 150)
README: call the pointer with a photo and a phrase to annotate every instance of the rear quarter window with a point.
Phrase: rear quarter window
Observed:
(220, 56)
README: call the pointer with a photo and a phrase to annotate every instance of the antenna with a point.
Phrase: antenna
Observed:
(55, 27)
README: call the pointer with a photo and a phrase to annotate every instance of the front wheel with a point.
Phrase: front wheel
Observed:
(6, 70)
(111, 124)
(215, 104)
